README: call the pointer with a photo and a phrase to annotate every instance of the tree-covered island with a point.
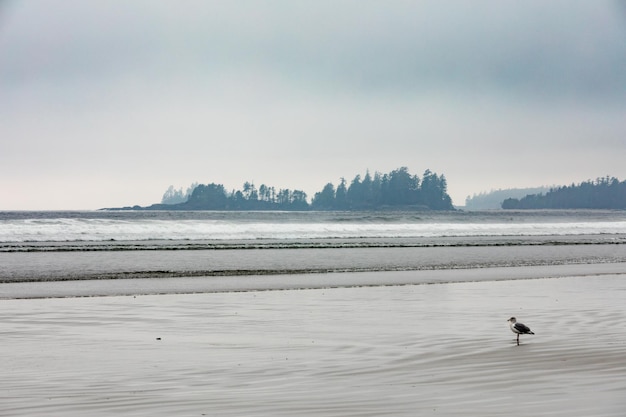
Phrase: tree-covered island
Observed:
(397, 190)
(603, 193)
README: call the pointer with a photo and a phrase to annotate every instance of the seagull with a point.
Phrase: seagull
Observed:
(518, 328)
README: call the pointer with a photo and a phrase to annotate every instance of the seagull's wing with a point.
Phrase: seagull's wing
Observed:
(522, 328)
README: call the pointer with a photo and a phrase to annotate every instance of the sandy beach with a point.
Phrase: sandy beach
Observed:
(401, 350)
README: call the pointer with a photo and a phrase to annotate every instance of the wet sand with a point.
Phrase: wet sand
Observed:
(405, 350)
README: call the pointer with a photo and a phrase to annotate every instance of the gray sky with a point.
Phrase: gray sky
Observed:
(108, 102)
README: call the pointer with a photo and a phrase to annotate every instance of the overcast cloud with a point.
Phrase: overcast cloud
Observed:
(107, 103)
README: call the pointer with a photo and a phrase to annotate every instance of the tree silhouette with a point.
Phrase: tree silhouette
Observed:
(603, 193)
(396, 190)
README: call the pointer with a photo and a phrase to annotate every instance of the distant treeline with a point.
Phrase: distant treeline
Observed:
(395, 190)
(603, 193)
(215, 197)
(492, 200)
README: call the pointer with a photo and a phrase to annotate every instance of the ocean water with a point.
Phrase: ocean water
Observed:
(358, 338)
(96, 245)
(293, 227)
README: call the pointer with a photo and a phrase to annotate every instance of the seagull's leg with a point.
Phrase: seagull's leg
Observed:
(518, 339)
